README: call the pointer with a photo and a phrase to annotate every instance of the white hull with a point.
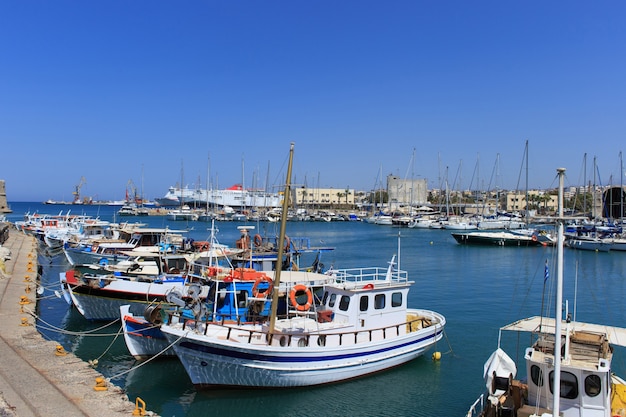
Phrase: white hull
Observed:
(215, 361)
(143, 339)
(229, 197)
(104, 303)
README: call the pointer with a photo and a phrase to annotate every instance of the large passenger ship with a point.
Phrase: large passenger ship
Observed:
(235, 196)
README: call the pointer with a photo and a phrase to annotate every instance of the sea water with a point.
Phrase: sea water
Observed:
(477, 288)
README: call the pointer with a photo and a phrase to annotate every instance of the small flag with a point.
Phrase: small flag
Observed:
(546, 273)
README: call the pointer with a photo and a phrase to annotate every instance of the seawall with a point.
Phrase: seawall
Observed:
(37, 376)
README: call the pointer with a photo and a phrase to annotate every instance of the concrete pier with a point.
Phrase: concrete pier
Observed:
(36, 379)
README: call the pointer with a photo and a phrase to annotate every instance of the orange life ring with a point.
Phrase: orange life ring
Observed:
(368, 286)
(287, 243)
(534, 238)
(258, 240)
(255, 288)
(212, 271)
(309, 297)
(201, 246)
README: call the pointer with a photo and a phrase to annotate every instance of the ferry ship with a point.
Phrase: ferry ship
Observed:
(235, 196)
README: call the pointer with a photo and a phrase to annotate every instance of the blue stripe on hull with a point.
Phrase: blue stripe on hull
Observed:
(281, 359)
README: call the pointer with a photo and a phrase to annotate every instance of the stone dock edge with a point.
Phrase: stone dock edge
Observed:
(36, 377)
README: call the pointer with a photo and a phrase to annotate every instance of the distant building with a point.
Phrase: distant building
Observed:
(4, 205)
(323, 197)
(403, 192)
(516, 201)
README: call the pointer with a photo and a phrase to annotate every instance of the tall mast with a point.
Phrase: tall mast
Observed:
(526, 160)
(621, 189)
(559, 301)
(281, 240)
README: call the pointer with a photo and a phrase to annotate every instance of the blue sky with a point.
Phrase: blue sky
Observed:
(155, 91)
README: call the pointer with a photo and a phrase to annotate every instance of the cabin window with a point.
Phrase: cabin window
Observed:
(344, 303)
(536, 375)
(593, 385)
(325, 298)
(569, 385)
(396, 299)
(379, 301)
(242, 298)
(333, 298)
(364, 303)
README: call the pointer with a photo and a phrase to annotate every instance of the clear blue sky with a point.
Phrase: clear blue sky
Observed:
(152, 91)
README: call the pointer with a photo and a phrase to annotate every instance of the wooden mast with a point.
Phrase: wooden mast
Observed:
(281, 240)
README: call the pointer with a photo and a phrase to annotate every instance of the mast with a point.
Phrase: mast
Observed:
(526, 215)
(621, 190)
(281, 240)
(559, 300)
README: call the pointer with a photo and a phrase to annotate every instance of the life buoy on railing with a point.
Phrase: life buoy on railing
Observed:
(258, 240)
(369, 286)
(534, 238)
(212, 271)
(201, 246)
(301, 288)
(255, 288)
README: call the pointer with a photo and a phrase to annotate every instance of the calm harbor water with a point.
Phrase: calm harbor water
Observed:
(478, 289)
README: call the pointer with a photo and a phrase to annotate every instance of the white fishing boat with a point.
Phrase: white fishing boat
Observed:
(185, 213)
(96, 251)
(358, 324)
(576, 382)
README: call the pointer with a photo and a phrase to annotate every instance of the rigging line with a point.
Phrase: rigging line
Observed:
(445, 334)
(60, 330)
(149, 359)
(94, 362)
(46, 297)
(70, 333)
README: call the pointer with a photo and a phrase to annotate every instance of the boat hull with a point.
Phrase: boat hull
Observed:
(143, 339)
(220, 361)
(103, 304)
(495, 239)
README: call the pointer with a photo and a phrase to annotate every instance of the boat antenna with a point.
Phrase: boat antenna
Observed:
(281, 240)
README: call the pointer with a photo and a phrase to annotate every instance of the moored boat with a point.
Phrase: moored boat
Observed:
(359, 324)
(568, 365)
(496, 238)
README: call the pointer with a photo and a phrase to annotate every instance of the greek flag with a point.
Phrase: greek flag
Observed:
(546, 273)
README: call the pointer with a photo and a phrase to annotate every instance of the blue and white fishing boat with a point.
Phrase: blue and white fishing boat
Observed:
(356, 325)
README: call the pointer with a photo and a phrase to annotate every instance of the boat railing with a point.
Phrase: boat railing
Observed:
(356, 275)
(477, 408)
(320, 339)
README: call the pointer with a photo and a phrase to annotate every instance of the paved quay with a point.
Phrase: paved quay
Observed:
(34, 379)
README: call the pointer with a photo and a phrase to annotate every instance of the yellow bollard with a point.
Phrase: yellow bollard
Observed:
(30, 255)
(26, 278)
(27, 289)
(101, 384)
(24, 300)
(29, 266)
(24, 322)
(139, 410)
(60, 351)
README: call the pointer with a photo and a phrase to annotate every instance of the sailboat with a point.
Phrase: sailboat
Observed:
(356, 324)
(578, 382)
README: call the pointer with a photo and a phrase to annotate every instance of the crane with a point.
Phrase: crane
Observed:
(77, 190)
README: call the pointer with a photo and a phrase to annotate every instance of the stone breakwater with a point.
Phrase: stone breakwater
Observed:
(37, 377)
